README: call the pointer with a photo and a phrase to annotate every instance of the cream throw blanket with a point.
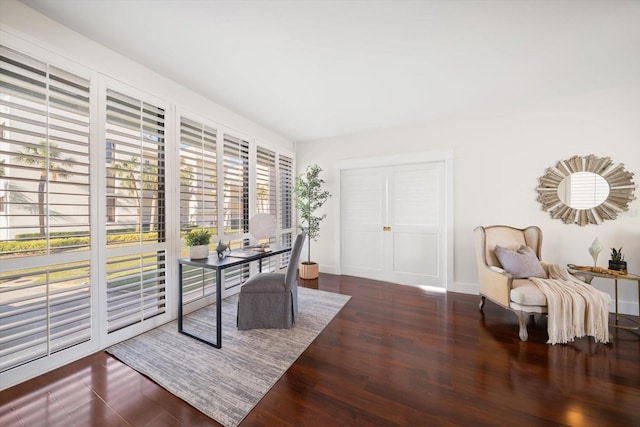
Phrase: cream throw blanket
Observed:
(575, 308)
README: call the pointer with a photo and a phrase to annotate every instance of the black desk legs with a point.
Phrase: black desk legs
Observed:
(179, 297)
(218, 308)
(218, 342)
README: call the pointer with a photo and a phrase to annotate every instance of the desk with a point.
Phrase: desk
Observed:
(590, 275)
(244, 256)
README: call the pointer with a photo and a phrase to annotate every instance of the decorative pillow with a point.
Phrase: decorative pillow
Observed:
(522, 263)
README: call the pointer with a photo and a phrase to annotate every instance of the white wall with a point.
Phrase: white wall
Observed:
(33, 27)
(498, 158)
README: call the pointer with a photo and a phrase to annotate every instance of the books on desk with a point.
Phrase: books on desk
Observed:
(247, 253)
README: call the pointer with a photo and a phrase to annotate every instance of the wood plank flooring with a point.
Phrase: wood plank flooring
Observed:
(394, 356)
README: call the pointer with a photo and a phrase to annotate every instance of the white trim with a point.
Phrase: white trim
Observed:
(465, 288)
(24, 44)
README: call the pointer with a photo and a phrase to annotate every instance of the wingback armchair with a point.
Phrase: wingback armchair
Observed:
(519, 295)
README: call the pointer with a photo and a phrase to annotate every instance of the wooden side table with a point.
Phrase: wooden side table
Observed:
(588, 276)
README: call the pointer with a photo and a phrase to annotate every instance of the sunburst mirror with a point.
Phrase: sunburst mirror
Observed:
(586, 190)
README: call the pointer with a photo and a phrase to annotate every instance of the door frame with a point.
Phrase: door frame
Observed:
(445, 156)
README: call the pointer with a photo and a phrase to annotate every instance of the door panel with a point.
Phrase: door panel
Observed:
(362, 204)
(415, 254)
(417, 221)
(393, 223)
(362, 251)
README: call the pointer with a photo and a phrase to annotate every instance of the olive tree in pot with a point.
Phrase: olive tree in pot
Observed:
(309, 196)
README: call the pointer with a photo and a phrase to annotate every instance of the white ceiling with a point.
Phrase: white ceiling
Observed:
(315, 69)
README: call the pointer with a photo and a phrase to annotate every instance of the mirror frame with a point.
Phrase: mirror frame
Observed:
(621, 188)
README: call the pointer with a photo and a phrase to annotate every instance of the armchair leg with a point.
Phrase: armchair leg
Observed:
(482, 300)
(522, 321)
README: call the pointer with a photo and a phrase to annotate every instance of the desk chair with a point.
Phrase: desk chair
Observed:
(270, 300)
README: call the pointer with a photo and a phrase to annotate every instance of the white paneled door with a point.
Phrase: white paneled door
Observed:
(393, 223)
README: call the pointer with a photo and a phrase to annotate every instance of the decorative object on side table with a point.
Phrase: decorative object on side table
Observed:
(594, 250)
(223, 248)
(198, 241)
(309, 197)
(617, 261)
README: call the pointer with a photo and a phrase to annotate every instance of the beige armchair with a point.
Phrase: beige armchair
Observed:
(521, 296)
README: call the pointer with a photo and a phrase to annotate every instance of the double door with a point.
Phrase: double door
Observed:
(393, 223)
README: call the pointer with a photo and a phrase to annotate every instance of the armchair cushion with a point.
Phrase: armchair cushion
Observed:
(522, 263)
(526, 293)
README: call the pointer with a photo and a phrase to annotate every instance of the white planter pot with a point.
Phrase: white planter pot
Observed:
(198, 252)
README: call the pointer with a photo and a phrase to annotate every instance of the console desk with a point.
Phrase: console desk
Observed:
(234, 258)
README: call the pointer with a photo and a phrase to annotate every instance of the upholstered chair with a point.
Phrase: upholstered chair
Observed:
(519, 295)
(270, 300)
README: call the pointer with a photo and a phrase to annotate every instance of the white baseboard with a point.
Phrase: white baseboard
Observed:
(464, 288)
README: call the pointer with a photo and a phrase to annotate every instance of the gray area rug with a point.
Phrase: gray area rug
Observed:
(226, 383)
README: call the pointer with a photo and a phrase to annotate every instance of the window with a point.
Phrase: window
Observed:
(135, 191)
(135, 174)
(235, 166)
(45, 157)
(136, 287)
(285, 207)
(45, 290)
(198, 198)
(266, 181)
(236, 185)
(50, 292)
(265, 194)
(198, 176)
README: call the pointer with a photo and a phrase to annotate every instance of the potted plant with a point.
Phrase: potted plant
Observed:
(617, 261)
(198, 242)
(309, 196)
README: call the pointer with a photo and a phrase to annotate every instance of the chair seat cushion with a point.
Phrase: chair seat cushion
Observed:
(264, 282)
(525, 292)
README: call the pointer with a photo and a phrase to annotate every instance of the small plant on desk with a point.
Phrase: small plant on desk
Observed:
(198, 242)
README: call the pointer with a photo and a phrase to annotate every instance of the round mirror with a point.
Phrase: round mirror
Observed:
(583, 190)
(586, 190)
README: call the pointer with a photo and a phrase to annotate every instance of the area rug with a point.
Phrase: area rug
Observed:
(226, 383)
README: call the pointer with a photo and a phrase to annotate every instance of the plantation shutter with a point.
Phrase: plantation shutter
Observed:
(136, 241)
(136, 288)
(266, 189)
(266, 181)
(198, 177)
(236, 185)
(198, 199)
(44, 209)
(236, 201)
(135, 170)
(44, 157)
(285, 207)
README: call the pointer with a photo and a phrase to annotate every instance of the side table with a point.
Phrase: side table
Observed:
(588, 276)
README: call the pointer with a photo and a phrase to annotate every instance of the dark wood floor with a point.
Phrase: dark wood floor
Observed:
(394, 356)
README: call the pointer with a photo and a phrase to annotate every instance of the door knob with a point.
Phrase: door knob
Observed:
(386, 228)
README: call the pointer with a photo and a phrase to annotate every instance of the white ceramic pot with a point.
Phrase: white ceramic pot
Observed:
(198, 252)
